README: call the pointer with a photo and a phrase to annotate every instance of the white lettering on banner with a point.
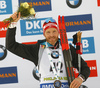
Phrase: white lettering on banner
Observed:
(29, 27)
(35, 24)
(36, 31)
(3, 29)
(92, 68)
(64, 86)
(4, 11)
(86, 50)
(85, 43)
(28, 32)
(51, 86)
(47, 86)
(3, 5)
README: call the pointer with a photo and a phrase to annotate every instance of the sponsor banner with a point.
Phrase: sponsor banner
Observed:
(8, 75)
(72, 23)
(3, 29)
(93, 68)
(5, 7)
(87, 42)
(98, 2)
(39, 5)
(32, 27)
(78, 22)
(51, 85)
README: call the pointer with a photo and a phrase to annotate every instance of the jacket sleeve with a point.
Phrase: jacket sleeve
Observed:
(29, 52)
(85, 71)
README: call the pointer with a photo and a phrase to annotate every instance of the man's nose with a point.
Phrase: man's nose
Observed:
(51, 34)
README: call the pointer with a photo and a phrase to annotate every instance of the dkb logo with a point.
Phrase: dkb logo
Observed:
(5, 7)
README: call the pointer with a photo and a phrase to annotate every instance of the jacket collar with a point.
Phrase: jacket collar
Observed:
(43, 42)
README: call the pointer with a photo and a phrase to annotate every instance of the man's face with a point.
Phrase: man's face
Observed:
(51, 35)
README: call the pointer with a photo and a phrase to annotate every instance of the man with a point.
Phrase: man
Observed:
(46, 54)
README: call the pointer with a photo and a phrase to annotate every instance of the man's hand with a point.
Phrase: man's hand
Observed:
(15, 16)
(76, 83)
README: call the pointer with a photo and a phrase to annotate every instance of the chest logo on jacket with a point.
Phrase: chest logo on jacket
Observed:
(73, 3)
(3, 52)
(55, 54)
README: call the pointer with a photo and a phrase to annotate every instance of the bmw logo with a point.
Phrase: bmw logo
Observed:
(73, 3)
(36, 74)
(3, 52)
(55, 54)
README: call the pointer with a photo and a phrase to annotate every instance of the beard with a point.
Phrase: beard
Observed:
(52, 40)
